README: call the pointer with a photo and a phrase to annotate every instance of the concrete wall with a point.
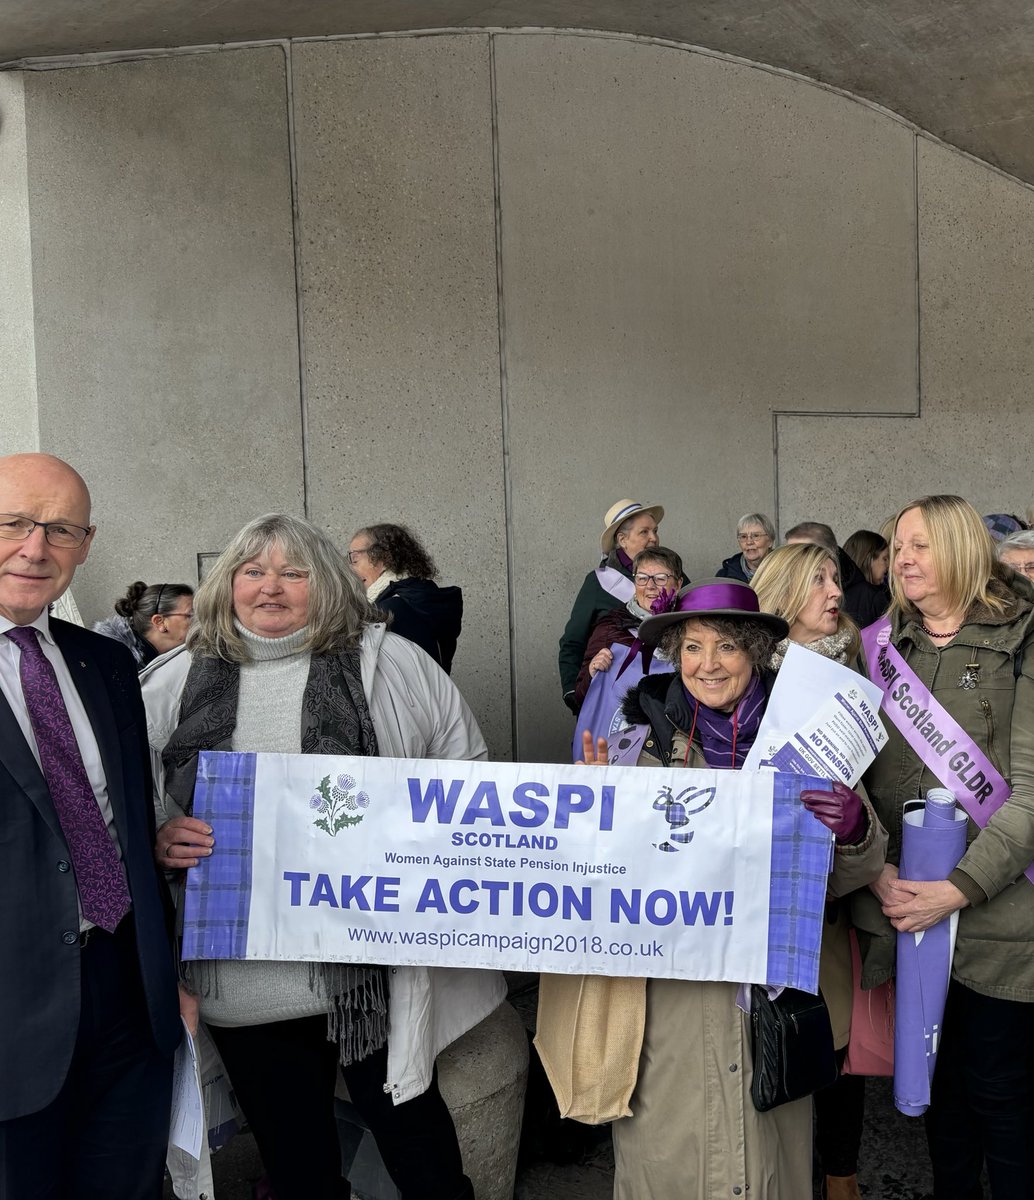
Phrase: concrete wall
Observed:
(533, 273)
(165, 314)
(400, 311)
(972, 433)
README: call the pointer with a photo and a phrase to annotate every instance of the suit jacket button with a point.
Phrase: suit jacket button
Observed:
(70, 938)
(63, 866)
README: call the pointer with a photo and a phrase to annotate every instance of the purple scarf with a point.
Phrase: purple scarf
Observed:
(716, 728)
(623, 559)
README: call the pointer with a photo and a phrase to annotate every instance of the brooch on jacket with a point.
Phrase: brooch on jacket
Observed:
(970, 677)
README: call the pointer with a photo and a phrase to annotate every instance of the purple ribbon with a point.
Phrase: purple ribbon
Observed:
(708, 596)
(937, 739)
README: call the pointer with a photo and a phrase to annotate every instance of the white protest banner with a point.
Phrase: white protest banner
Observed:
(520, 866)
(831, 713)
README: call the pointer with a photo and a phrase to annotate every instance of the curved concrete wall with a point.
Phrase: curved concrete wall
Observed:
(488, 284)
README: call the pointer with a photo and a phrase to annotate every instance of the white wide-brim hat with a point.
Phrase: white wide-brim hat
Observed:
(619, 513)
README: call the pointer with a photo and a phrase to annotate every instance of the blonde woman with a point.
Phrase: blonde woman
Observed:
(961, 629)
(801, 584)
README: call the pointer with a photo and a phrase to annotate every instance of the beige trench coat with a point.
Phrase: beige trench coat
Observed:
(669, 1062)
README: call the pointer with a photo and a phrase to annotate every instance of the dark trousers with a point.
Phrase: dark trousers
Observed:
(982, 1100)
(839, 1117)
(284, 1075)
(105, 1135)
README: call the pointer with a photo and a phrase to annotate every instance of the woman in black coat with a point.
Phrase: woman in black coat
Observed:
(399, 576)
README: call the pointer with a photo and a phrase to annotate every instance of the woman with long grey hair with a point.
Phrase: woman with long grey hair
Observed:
(286, 655)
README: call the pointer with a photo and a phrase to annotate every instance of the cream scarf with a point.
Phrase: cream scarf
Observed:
(381, 584)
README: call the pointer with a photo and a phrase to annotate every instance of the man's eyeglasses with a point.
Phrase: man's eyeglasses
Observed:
(661, 580)
(57, 533)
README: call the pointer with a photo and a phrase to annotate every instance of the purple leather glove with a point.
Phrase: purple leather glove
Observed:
(839, 809)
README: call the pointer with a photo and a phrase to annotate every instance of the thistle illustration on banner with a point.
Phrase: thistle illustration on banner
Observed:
(338, 804)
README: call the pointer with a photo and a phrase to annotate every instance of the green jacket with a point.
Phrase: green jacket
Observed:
(590, 604)
(994, 953)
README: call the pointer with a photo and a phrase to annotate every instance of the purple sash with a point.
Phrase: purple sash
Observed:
(937, 739)
(617, 585)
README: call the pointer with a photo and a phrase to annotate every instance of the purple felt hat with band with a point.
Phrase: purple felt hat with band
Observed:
(727, 599)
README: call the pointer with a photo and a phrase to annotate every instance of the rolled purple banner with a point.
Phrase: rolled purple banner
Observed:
(940, 809)
(933, 840)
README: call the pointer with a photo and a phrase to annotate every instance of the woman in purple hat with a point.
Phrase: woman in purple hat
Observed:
(694, 1132)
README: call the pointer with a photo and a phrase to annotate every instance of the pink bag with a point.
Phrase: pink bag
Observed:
(870, 1050)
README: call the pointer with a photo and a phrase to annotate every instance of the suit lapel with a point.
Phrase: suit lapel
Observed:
(86, 675)
(23, 768)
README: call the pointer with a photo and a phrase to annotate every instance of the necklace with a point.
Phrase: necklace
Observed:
(930, 632)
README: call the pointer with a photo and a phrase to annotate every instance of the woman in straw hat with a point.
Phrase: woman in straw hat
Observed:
(682, 1086)
(628, 528)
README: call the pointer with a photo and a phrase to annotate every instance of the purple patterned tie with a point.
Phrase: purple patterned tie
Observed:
(103, 893)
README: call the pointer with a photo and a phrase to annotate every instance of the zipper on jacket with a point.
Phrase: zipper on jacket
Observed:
(677, 730)
(989, 721)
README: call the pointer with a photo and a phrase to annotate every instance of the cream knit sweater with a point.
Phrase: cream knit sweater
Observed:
(268, 719)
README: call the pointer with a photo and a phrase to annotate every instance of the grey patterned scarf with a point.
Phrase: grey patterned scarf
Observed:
(833, 646)
(335, 719)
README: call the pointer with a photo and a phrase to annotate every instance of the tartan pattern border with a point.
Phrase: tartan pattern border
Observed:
(218, 892)
(801, 860)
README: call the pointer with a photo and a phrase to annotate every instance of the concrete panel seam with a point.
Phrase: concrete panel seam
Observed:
(31, 352)
(95, 58)
(303, 394)
(504, 399)
(907, 416)
(851, 416)
(918, 280)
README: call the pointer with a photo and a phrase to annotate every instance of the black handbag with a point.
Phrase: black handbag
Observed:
(791, 1045)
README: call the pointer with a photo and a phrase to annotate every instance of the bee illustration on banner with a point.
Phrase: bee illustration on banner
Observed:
(677, 810)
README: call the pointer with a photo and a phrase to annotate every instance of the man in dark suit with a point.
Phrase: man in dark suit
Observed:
(88, 1010)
